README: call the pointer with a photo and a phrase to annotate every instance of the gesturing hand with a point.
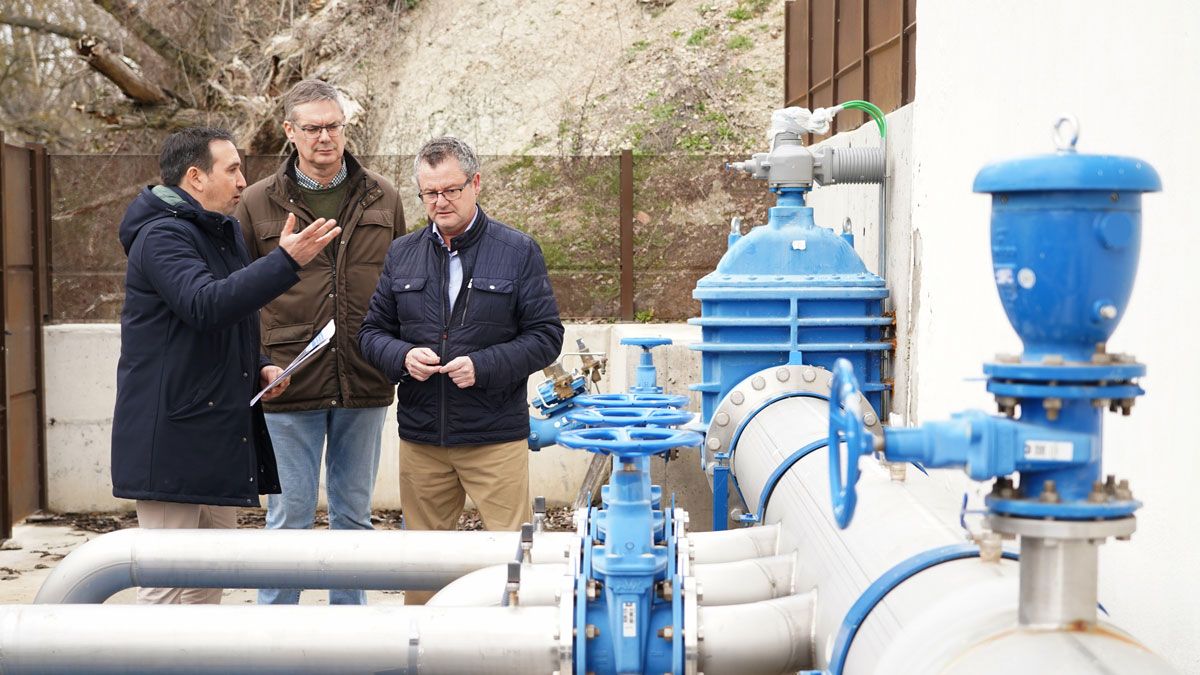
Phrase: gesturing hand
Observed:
(304, 245)
(421, 362)
(461, 371)
(266, 375)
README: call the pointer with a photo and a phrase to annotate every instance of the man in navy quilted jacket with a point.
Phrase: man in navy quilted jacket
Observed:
(462, 316)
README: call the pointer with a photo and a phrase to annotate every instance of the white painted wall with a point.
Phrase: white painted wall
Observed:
(81, 367)
(991, 79)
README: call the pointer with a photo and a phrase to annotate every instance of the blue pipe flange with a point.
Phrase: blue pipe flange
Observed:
(630, 417)
(745, 400)
(845, 424)
(629, 442)
(631, 401)
(877, 591)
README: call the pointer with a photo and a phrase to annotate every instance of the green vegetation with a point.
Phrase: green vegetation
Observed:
(644, 316)
(640, 45)
(748, 9)
(695, 142)
(738, 42)
(698, 37)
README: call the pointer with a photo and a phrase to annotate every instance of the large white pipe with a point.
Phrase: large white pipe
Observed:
(297, 640)
(894, 521)
(373, 560)
(767, 638)
(726, 583)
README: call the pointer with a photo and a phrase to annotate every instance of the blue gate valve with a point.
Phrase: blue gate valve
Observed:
(629, 564)
(631, 401)
(647, 376)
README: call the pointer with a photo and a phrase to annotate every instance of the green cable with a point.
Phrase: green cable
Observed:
(872, 110)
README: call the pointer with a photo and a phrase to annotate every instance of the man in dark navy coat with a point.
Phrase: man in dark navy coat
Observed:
(186, 443)
(462, 316)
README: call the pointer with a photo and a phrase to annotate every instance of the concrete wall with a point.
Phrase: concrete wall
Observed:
(81, 366)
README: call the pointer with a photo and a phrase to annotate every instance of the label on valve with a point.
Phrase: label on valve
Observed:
(1049, 451)
(629, 619)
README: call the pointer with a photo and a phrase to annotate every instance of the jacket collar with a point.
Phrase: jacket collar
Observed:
(285, 186)
(183, 205)
(466, 239)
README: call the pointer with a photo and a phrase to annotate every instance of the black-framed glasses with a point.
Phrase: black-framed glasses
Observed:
(451, 194)
(313, 131)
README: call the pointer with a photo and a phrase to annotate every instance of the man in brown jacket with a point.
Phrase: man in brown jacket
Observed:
(338, 399)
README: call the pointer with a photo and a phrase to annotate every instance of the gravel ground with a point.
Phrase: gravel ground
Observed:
(558, 519)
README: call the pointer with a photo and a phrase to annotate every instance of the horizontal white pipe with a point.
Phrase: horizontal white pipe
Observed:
(767, 638)
(296, 640)
(727, 583)
(371, 560)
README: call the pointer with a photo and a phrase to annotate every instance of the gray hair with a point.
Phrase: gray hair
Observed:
(308, 91)
(438, 150)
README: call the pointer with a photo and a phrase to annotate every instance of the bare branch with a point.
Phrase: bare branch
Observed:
(127, 117)
(132, 83)
(129, 17)
(42, 26)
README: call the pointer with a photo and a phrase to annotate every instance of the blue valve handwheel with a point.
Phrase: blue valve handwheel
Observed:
(646, 342)
(630, 401)
(629, 417)
(845, 426)
(629, 442)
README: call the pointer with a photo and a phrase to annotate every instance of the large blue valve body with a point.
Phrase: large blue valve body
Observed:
(785, 293)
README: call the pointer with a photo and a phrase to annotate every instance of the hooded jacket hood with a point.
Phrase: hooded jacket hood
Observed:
(162, 201)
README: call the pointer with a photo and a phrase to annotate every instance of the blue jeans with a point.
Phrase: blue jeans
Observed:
(351, 462)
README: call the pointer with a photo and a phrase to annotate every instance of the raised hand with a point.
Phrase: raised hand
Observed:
(304, 245)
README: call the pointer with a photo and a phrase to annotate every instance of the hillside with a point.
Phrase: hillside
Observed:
(581, 77)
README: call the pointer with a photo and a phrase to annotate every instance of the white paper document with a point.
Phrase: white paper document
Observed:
(310, 350)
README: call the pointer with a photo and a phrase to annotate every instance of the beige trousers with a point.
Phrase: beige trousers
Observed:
(435, 480)
(154, 515)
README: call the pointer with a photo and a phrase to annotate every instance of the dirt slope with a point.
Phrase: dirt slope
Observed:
(577, 76)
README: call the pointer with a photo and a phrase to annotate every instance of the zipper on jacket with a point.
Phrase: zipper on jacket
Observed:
(445, 282)
(467, 302)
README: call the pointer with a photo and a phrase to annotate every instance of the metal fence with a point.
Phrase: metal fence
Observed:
(624, 237)
(24, 301)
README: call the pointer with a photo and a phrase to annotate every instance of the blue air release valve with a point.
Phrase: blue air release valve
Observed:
(647, 376)
(845, 425)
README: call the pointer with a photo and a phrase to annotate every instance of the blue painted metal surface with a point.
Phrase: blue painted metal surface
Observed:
(878, 590)
(647, 376)
(632, 400)
(1065, 237)
(627, 417)
(629, 627)
(784, 290)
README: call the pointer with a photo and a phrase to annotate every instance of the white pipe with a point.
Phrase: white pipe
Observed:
(727, 583)
(769, 637)
(894, 521)
(296, 640)
(374, 560)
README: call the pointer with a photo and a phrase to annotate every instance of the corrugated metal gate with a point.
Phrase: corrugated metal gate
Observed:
(24, 303)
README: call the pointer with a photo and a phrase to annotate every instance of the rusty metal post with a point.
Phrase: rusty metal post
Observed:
(40, 224)
(6, 507)
(627, 235)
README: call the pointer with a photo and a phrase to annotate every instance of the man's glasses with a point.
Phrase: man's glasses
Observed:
(451, 194)
(313, 131)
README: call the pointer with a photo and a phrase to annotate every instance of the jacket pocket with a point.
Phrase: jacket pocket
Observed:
(407, 292)
(203, 399)
(489, 300)
(267, 233)
(282, 335)
(369, 242)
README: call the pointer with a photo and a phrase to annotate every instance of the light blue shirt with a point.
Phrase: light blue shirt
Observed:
(454, 283)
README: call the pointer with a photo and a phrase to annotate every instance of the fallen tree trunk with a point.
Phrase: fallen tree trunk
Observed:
(109, 64)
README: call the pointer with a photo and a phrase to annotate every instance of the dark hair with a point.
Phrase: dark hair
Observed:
(438, 150)
(187, 148)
